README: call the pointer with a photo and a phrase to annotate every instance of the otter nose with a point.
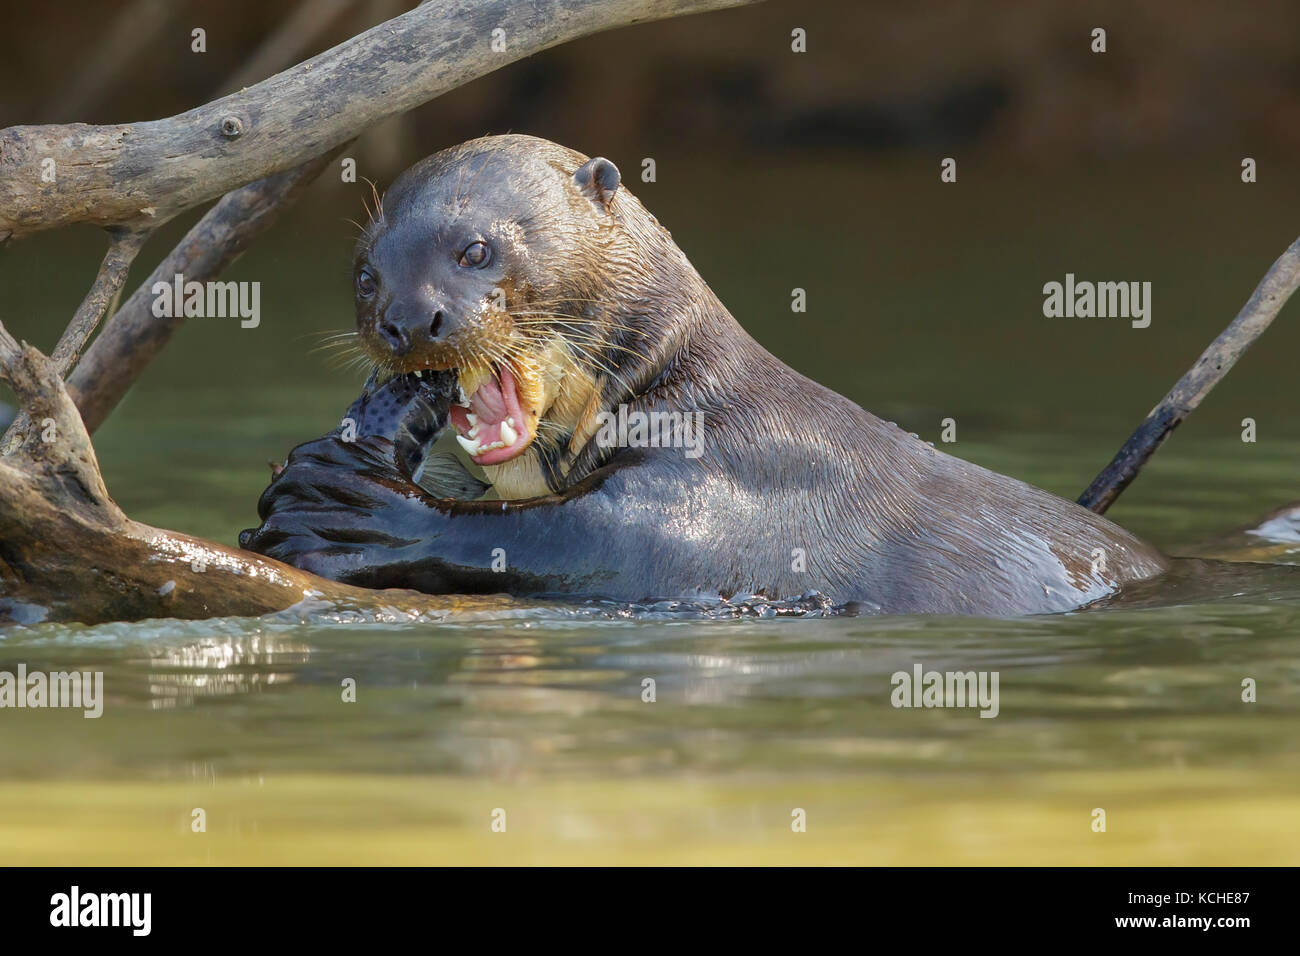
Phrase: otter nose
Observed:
(413, 321)
(394, 336)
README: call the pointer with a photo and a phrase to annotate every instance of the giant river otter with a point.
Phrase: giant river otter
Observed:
(641, 444)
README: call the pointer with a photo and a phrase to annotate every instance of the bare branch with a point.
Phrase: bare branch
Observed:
(1256, 315)
(149, 172)
(39, 389)
(135, 335)
(122, 249)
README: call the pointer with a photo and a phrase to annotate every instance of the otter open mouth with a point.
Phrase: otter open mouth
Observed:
(490, 423)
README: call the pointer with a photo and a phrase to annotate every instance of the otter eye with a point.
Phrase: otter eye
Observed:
(475, 256)
(365, 283)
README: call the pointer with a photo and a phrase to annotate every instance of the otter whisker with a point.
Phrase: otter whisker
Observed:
(592, 361)
(598, 343)
(378, 215)
(595, 323)
(334, 336)
(570, 331)
(336, 355)
(537, 330)
(591, 346)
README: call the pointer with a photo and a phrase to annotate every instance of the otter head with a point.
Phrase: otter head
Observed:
(491, 259)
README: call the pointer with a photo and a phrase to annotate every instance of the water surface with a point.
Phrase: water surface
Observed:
(924, 306)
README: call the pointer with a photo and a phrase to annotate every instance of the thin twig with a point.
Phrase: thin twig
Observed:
(102, 296)
(135, 335)
(122, 250)
(1256, 315)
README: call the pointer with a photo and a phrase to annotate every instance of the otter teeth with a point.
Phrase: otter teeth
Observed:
(475, 447)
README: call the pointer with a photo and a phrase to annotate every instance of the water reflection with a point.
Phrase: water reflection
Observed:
(178, 674)
(555, 695)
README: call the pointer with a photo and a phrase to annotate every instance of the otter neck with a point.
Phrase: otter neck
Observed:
(653, 329)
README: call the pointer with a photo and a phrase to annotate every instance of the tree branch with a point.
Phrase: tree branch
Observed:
(103, 293)
(1256, 315)
(148, 172)
(67, 552)
(122, 250)
(135, 335)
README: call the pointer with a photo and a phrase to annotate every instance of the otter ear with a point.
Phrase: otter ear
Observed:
(598, 180)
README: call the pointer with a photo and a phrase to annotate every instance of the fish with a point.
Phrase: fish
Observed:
(412, 410)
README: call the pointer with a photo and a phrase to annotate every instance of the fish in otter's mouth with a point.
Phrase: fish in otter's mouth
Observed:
(411, 410)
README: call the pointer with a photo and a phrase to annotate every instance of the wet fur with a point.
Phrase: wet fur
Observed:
(880, 517)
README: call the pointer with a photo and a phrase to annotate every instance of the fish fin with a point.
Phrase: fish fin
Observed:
(444, 476)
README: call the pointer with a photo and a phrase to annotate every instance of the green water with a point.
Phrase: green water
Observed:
(924, 303)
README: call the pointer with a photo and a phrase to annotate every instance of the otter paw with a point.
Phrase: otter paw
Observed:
(338, 509)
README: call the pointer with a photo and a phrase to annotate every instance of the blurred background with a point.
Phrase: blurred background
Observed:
(1014, 78)
(776, 170)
